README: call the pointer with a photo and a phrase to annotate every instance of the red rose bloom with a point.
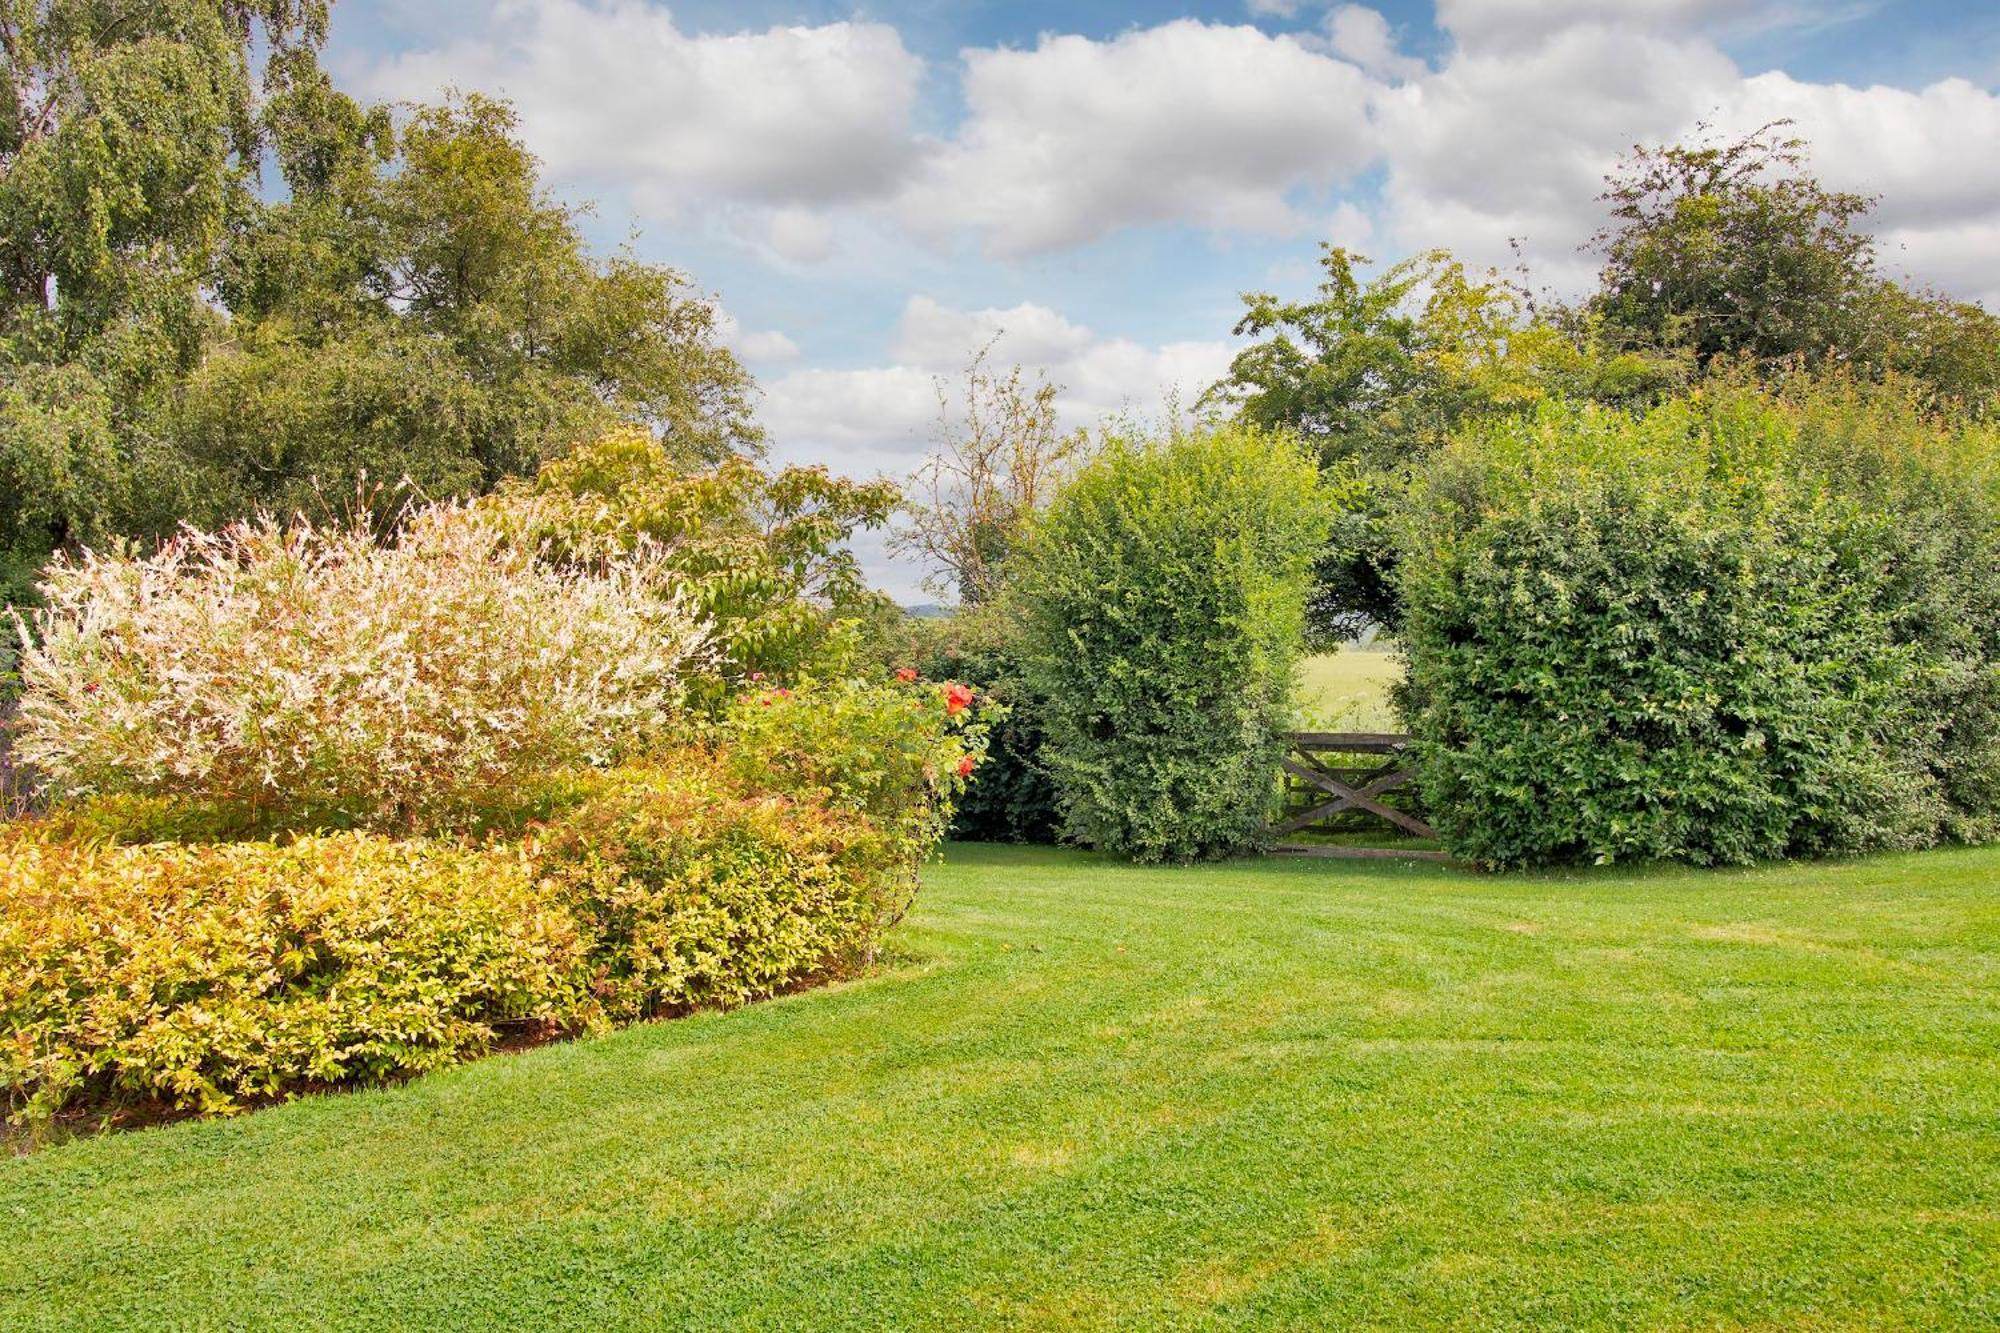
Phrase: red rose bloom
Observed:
(957, 698)
(965, 766)
(906, 674)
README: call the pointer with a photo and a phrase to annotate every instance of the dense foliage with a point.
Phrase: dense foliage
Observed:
(1731, 249)
(204, 975)
(1163, 596)
(1739, 626)
(759, 557)
(698, 891)
(898, 754)
(1720, 255)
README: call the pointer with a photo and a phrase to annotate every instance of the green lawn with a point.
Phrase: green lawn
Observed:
(1349, 690)
(1266, 1094)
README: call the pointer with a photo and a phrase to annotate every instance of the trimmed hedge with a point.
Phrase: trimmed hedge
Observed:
(693, 895)
(1741, 626)
(207, 976)
(1163, 596)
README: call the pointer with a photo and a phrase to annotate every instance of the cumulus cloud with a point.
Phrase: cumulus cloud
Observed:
(617, 95)
(1496, 25)
(1498, 146)
(1510, 138)
(752, 345)
(1362, 35)
(1190, 122)
(884, 418)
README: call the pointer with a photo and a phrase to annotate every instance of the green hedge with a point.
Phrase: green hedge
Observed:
(1741, 626)
(1163, 599)
(208, 975)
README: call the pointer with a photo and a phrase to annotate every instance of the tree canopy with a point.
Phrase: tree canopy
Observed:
(402, 311)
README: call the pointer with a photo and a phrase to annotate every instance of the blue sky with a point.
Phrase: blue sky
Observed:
(872, 191)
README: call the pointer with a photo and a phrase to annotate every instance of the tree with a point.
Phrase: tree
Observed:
(1730, 248)
(418, 308)
(999, 459)
(410, 307)
(1377, 373)
(132, 137)
(1380, 371)
(129, 139)
(761, 557)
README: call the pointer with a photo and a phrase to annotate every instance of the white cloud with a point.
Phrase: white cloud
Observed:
(1512, 135)
(765, 346)
(798, 234)
(1185, 122)
(1362, 35)
(1499, 146)
(884, 418)
(1497, 25)
(616, 95)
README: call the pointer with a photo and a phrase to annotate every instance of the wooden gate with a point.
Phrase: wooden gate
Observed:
(1334, 783)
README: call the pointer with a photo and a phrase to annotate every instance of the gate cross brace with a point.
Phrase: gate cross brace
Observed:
(1352, 798)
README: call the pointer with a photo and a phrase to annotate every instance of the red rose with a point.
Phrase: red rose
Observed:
(965, 766)
(906, 674)
(957, 698)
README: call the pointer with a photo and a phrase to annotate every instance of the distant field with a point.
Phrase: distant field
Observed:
(1349, 690)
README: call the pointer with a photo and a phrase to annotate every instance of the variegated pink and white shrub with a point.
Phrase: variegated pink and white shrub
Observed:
(313, 676)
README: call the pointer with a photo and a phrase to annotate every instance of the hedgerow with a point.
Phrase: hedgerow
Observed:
(693, 893)
(1163, 595)
(208, 975)
(1739, 626)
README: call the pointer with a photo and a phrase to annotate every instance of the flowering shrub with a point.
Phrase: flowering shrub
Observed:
(898, 753)
(313, 677)
(1013, 798)
(206, 975)
(694, 893)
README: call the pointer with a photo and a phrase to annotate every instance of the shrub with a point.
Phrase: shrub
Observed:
(759, 557)
(1163, 596)
(313, 677)
(898, 754)
(1011, 797)
(693, 893)
(1698, 634)
(206, 976)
